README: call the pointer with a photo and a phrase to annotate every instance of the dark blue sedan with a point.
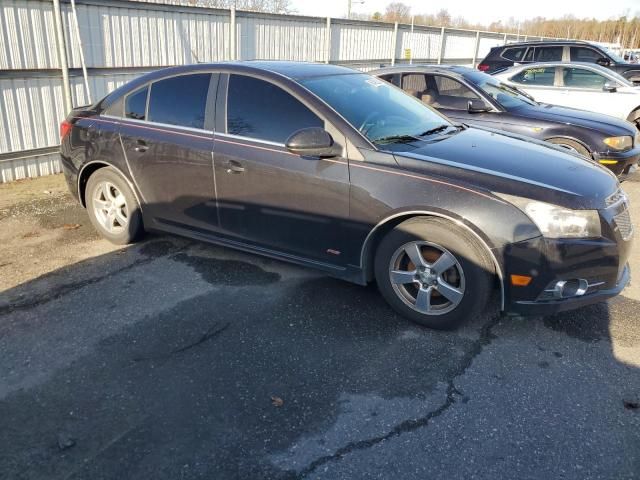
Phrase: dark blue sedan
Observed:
(478, 99)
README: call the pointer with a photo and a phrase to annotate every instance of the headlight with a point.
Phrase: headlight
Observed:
(558, 222)
(619, 143)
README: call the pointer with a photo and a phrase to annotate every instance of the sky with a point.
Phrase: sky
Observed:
(485, 12)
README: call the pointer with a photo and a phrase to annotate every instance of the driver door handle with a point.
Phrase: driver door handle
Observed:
(141, 146)
(234, 167)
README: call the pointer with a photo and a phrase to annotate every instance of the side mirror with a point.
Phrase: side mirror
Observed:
(312, 142)
(477, 106)
(604, 62)
(610, 87)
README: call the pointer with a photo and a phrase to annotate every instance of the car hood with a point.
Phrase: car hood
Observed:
(608, 125)
(513, 164)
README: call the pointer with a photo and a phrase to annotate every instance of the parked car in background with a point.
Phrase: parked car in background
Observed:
(475, 98)
(582, 85)
(506, 56)
(337, 170)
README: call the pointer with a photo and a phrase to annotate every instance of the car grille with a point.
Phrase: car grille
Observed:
(623, 222)
(616, 197)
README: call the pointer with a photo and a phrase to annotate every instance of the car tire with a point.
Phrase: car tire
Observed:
(634, 117)
(571, 145)
(113, 209)
(436, 299)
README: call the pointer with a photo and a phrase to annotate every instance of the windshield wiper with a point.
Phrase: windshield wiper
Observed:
(396, 139)
(437, 129)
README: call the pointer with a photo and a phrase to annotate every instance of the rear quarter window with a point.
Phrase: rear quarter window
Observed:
(135, 104)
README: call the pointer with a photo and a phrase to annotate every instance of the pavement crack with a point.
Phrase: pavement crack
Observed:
(485, 338)
(210, 334)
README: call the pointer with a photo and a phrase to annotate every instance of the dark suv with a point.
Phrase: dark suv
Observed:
(506, 56)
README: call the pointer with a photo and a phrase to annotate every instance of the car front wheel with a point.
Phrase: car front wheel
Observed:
(433, 272)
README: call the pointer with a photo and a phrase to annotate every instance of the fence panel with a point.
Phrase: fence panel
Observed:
(122, 39)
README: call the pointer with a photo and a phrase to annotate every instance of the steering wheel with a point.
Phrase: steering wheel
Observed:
(378, 120)
(368, 123)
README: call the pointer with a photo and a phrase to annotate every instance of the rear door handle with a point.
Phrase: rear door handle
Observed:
(141, 146)
(234, 167)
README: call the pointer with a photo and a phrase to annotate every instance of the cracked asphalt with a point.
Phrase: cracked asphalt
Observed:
(172, 359)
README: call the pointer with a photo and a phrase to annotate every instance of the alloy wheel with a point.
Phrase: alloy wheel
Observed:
(427, 277)
(110, 207)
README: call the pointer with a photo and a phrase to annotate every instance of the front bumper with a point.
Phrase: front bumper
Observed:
(601, 262)
(623, 160)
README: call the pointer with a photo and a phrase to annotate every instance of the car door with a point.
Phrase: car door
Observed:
(268, 196)
(169, 145)
(583, 88)
(540, 83)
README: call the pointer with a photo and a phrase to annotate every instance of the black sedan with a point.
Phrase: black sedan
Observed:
(337, 170)
(475, 98)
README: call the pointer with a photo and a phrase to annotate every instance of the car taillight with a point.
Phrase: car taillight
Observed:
(483, 67)
(65, 128)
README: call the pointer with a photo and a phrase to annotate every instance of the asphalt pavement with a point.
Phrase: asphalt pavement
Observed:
(172, 359)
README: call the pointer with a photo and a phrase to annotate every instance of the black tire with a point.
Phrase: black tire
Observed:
(634, 117)
(475, 280)
(131, 228)
(571, 145)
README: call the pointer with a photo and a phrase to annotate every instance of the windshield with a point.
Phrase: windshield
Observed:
(380, 111)
(619, 78)
(617, 58)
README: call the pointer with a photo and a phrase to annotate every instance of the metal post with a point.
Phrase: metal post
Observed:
(233, 53)
(505, 38)
(443, 43)
(62, 56)
(76, 28)
(394, 43)
(475, 50)
(349, 9)
(327, 41)
(411, 43)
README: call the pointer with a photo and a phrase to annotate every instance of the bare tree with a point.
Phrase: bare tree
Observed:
(270, 6)
(397, 12)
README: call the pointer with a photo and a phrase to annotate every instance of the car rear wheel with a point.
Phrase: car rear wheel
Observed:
(433, 272)
(571, 145)
(113, 208)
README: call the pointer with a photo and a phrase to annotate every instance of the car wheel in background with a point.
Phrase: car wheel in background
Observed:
(571, 145)
(433, 272)
(634, 117)
(113, 208)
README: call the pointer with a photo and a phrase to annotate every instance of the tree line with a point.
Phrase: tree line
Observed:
(623, 30)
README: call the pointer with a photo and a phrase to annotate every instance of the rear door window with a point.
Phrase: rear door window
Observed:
(261, 110)
(584, 54)
(536, 76)
(548, 54)
(582, 78)
(135, 104)
(414, 83)
(515, 54)
(180, 101)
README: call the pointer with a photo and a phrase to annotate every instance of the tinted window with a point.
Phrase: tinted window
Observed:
(136, 104)
(582, 54)
(582, 78)
(515, 54)
(548, 54)
(449, 93)
(262, 110)
(180, 100)
(374, 107)
(535, 76)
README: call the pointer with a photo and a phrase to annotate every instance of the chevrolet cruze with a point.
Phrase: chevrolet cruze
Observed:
(331, 168)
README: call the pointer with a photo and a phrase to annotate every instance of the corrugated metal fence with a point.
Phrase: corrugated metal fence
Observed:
(122, 39)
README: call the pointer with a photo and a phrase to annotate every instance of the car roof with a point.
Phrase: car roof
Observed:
(593, 66)
(289, 69)
(549, 42)
(432, 68)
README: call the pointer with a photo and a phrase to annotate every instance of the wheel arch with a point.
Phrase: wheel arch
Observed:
(378, 232)
(89, 169)
(573, 139)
